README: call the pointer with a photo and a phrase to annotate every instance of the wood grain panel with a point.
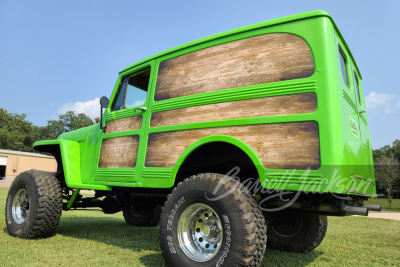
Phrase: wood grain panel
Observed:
(259, 107)
(279, 146)
(125, 124)
(256, 60)
(119, 152)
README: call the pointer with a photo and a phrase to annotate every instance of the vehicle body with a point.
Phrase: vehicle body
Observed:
(278, 104)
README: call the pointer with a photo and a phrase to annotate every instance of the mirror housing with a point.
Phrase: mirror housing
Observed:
(104, 102)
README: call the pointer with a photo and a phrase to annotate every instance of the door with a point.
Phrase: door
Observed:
(3, 166)
(122, 145)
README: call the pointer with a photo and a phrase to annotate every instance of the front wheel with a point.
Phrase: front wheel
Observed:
(34, 205)
(209, 219)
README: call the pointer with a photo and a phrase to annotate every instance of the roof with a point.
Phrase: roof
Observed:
(268, 23)
(29, 154)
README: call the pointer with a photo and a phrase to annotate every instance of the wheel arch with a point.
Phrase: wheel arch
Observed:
(206, 143)
(68, 153)
(67, 156)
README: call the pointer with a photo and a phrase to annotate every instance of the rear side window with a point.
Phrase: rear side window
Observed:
(343, 65)
(357, 88)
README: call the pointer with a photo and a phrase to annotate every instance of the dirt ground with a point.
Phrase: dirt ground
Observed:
(392, 215)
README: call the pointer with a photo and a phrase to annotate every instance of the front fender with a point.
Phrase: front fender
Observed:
(69, 155)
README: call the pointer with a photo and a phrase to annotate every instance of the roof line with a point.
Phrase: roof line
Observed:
(264, 24)
(5, 151)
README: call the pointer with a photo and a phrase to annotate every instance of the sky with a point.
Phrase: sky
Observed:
(57, 56)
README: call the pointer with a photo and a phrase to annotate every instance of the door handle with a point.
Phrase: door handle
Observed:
(140, 108)
(361, 111)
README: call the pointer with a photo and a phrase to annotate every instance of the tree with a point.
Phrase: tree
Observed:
(387, 174)
(67, 122)
(52, 130)
(73, 121)
(396, 149)
(16, 133)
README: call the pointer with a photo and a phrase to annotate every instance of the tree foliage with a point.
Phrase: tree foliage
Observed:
(387, 172)
(17, 133)
(387, 169)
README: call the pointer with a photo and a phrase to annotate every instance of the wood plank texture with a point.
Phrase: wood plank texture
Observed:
(119, 152)
(279, 146)
(125, 124)
(259, 107)
(255, 60)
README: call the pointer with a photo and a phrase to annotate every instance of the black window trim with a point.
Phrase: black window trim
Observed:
(357, 87)
(343, 55)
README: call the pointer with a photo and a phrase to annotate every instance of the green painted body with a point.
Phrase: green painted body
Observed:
(345, 151)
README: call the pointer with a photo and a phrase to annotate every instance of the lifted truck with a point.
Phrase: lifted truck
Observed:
(216, 141)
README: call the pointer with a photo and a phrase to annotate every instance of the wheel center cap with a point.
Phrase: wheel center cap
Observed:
(205, 230)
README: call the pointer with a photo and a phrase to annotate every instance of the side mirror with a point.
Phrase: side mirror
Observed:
(104, 102)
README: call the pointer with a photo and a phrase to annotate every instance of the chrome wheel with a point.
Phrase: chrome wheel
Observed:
(20, 206)
(200, 232)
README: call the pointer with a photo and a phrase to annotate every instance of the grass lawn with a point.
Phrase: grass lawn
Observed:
(385, 204)
(90, 238)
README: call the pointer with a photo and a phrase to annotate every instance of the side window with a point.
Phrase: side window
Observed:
(133, 91)
(343, 65)
(357, 88)
(119, 100)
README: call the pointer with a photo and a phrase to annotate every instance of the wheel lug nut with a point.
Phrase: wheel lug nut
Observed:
(207, 245)
(198, 230)
(201, 239)
(215, 246)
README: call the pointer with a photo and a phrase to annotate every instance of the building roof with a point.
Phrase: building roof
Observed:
(29, 154)
(268, 23)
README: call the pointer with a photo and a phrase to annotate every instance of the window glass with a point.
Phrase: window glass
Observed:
(133, 91)
(119, 101)
(137, 89)
(343, 65)
(357, 88)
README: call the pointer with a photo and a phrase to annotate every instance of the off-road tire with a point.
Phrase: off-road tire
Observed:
(147, 216)
(296, 232)
(244, 230)
(45, 205)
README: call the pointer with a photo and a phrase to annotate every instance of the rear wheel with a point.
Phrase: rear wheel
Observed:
(34, 205)
(296, 232)
(210, 220)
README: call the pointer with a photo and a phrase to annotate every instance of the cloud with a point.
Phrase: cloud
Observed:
(91, 108)
(398, 104)
(379, 100)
